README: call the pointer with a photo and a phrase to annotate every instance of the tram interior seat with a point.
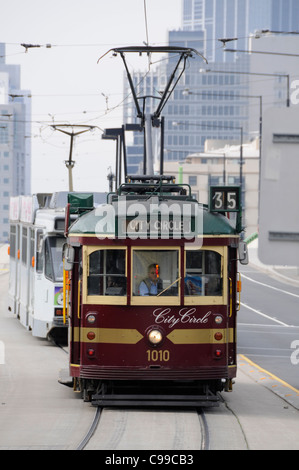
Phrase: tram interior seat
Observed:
(117, 286)
(115, 290)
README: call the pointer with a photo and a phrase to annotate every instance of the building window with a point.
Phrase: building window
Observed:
(193, 180)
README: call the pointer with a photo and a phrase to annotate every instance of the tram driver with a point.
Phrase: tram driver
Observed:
(152, 285)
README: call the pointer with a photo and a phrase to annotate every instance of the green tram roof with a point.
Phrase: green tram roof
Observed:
(92, 222)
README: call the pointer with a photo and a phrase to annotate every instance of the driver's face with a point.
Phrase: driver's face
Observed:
(152, 275)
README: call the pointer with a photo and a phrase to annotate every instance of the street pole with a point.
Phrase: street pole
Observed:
(70, 162)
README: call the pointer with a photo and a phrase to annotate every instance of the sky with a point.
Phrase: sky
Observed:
(67, 83)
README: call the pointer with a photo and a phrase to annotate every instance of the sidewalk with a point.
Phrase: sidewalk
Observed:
(4, 259)
(289, 274)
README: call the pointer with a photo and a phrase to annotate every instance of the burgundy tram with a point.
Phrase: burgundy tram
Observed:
(176, 344)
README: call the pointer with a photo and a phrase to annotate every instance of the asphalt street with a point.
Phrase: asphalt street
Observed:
(268, 324)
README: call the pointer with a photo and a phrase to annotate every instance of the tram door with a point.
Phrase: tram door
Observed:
(31, 273)
(232, 304)
(24, 275)
(76, 309)
(36, 268)
(13, 268)
(18, 270)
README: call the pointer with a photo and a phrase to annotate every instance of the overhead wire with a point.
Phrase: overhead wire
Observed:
(125, 99)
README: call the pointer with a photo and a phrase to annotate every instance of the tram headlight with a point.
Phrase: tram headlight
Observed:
(155, 337)
(218, 319)
(91, 318)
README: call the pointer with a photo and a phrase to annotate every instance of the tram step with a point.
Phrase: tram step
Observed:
(156, 400)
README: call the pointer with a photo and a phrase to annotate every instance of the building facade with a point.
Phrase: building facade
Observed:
(204, 104)
(15, 147)
(219, 165)
(237, 19)
(214, 101)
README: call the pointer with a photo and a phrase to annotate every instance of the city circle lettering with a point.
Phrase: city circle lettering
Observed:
(186, 315)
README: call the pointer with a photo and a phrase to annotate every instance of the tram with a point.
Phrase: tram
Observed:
(172, 341)
(36, 272)
(152, 285)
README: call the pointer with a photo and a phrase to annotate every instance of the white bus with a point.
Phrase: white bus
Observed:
(37, 225)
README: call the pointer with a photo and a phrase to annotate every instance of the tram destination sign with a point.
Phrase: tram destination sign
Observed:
(148, 219)
(156, 219)
(156, 227)
(225, 199)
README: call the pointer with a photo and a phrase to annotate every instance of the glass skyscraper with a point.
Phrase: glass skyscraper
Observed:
(237, 19)
(15, 147)
(210, 105)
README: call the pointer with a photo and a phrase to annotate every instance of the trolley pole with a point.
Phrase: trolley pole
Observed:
(70, 162)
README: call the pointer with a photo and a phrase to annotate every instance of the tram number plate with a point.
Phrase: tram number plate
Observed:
(224, 198)
(154, 355)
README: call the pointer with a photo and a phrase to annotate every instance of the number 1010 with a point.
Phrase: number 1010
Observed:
(161, 355)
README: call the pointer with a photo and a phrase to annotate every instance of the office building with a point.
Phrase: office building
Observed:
(220, 164)
(237, 19)
(15, 147)
(204, 105)
(207, 105)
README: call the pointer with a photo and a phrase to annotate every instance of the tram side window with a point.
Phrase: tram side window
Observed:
(31, 246)
(203, 273)
(156, 272)
(53, 258)
(107, 273)
(48, 261)
(39, 252)
(24, 245)
(56, 244)
(12, 241)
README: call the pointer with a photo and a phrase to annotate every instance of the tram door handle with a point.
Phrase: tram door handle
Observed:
(239, 288)
(79, 299)
(230, 297)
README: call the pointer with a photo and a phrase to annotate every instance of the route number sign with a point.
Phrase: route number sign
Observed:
(225, 199)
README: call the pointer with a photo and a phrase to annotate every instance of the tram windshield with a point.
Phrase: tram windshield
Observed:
(107, 272)
(156, 272)
(203, 273)
(53, 258)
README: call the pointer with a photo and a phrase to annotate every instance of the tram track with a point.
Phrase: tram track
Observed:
(205, 435)
(120, 426)
(93, 438)
(91, 430)
(237, 420)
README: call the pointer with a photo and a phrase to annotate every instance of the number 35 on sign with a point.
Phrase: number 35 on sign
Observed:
(224, 199)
